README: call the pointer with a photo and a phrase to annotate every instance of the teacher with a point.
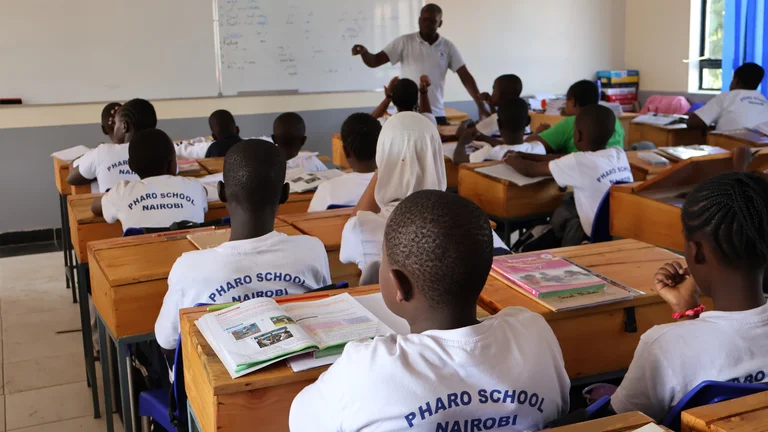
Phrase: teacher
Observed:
(426, 52)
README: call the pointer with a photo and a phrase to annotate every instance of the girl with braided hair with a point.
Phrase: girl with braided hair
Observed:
(725, 224)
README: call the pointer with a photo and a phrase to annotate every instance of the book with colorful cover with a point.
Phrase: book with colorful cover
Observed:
(188, 166)
(543, 274)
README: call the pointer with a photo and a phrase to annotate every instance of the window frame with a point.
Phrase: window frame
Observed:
(706, 62)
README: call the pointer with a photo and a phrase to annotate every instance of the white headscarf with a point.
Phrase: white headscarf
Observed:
(409, 156)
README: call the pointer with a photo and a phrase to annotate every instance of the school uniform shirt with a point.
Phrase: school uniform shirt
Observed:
(193, 149)
(345, 190)
(672, 359)
(219, 148)
(735, 109)
(155, 202)
(419, 58)
(506, 373)
(560, 136)
(591, 174)
(272, 265)
(486, 152)
(107, 164)
(429, 116)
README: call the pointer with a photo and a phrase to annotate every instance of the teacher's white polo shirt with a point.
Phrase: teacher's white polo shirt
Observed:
(420, 58)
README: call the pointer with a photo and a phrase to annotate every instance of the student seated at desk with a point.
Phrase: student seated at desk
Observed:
(359, 134)
(108, 163)
(160, 198)
(290, 134)
(108, 119)
(725, 224)
(257, 261)
(558, 139)
(741, 107)
(451, 372)
(409, 156)
(225, 133)
(407, 96)
(512, 119)
(505, 87)
(591, 171)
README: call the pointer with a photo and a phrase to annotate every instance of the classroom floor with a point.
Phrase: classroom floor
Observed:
(43, 375)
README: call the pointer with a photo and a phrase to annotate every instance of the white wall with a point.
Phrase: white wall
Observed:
(548, 43)
(657, 42)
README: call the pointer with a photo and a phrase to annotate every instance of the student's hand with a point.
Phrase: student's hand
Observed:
(514, 160)
(674, 284)
(466, 131)
(482, 110)
(359, 50)
(424, 83)
(542, 127)
(485, 97)
(390, 86)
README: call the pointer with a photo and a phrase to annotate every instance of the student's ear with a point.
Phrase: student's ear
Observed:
(284, 193)
(274, 139)
(578, 135)
(215, 138)
(173, 167)
(403, 286)
(346, 152)
(104, 131)
(699, 256)
(303, 141)
(527, 120)
(440, 24)
(222, 191)
(237, 129)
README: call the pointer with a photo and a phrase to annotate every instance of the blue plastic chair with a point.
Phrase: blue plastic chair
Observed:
(130, 232)
(337, 206)
(156, 404)
(706, 393)
(599, 409)
(601, 226)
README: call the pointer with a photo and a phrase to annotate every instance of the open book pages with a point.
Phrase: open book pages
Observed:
(259, 332)
(687, 152)
(449, 149)
(375, 304)
(303, 182)
(210, 183)
(70, 154)
(650, 427)
(661, 119)
(506, 172)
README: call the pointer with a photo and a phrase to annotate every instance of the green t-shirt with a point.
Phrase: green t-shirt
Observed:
(560, 136)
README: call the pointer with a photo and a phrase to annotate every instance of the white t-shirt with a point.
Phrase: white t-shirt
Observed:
(486, 152)
(193, 149)
(505, 373)
(363, 237)
(429, 116)
(155, 202)
(420, 58)
(735, 110)
(591, 174)
(344, 190)
(489, 126)
(268, 266)
(107, 164)
(672, 359)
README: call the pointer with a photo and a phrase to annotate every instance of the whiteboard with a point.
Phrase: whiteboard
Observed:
(65, 51)
(306, 45)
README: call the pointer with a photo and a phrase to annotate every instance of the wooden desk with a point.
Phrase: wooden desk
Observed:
(730, 142)
(594, 340)
(216, 165)
(327, 226)
(749, 413)
(337, 151)
(665, 137)
(539, 118)
(642, 170)
(642, 210)
(61, 171)
(503, 199)
(454, 115)
(626, 422)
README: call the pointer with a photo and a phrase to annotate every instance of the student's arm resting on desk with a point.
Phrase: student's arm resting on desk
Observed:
(528, 168)
(83, 170)
(706, 115)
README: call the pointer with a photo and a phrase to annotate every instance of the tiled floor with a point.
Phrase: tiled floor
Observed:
(43, 376)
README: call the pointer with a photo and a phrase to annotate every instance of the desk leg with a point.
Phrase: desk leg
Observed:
(64, 246)
(72, 269)
(125, 393)
(105, 373)
(85, 322)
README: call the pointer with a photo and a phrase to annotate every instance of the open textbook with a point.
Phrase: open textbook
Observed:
(301, 181)
(254, 334)
(506, 172)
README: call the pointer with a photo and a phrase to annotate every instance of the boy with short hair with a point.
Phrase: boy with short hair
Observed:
(108, 119)
(160, 198)
(289, 133)
(108, 163)
(407, 96)
(257, 261)
(508, 86)
(451, 371)
(741, 107)
(359, 135)
(558, 139)
(591, 171)
(512, 119)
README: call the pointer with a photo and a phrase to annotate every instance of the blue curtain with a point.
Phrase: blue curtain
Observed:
(745, 37)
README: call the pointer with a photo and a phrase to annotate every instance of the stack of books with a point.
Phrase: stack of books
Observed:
(620, 86)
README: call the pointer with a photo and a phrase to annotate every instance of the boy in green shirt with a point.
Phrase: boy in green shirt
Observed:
(559, 138)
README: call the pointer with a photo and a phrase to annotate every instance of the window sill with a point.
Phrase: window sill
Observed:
(706, 92)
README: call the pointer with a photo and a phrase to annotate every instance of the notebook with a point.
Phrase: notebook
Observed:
(70, 154)
(686, 152)
(661, 119)
(506, 172)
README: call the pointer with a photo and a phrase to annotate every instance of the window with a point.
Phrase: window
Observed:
(711, 45)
